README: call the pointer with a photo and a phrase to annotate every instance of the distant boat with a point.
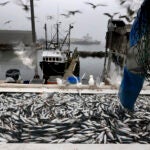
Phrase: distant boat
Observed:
(87, 40)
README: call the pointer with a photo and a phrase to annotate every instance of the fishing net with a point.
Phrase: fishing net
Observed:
(143, 45)
(143, 55)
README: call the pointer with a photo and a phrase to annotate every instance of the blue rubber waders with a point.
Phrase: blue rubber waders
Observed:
(130, 88)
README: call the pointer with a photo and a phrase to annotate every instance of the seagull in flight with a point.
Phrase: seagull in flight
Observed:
(65, 15)
(95, 5)
(129, 19)
(50, 17)
(21, 3)
(130, 11)
(7, 22)
(111, 16)
(131, 6)
(122, 2)
(5, 3)
(74, 12)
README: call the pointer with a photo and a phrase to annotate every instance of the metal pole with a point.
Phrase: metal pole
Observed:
(70, 27)
(33, 22)
(57, 34)
(36, 76)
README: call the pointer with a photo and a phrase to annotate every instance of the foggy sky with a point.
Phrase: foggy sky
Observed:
(90, 21)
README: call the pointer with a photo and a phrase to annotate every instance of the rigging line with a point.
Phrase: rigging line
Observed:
(64, 41)
(52, 40)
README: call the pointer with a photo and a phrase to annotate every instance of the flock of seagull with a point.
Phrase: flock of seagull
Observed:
(129, 17)
(94, 6)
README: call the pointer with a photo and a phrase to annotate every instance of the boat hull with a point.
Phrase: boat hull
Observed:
(52, 68)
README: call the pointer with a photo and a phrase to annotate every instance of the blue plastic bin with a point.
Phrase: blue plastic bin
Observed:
(73, 80)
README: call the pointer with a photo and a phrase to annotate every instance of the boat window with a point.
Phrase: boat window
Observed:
(54, 59)
(46, 58)
(57, 59)
(49, 58)
(43, 58)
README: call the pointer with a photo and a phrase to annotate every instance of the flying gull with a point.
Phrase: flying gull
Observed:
(95, 5)
(5, 3)
(74, 12)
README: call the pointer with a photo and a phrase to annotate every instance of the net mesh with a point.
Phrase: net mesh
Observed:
(143, 52)
(142, 35)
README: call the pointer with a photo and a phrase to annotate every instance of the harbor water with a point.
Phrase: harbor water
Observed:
(25, 62)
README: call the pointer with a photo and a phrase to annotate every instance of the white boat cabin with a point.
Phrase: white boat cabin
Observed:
(53, 56)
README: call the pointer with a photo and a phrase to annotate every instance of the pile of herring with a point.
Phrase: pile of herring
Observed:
(72, 118)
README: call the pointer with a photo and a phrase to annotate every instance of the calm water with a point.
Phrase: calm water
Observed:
(23, 62)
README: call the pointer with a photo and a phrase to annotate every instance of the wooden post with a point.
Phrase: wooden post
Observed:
(36, 76)
(33, 22)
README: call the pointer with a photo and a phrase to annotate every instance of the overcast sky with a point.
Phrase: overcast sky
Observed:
(89, 21)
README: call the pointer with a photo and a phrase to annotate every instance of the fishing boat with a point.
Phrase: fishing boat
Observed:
(56, 56)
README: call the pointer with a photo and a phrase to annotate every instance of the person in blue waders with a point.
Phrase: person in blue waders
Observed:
(134, 73)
